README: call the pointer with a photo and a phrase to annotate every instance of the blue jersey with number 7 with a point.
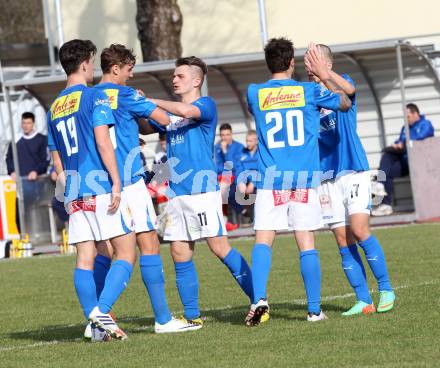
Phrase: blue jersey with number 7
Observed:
(71, 119)
(286, 116)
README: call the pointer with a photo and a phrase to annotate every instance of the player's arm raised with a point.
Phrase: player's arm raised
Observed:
(182, 109)
(316, 63)
(107, 153)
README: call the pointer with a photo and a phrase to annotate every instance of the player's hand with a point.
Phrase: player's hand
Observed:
(115, 199)
(140, 92)
(13, 176)
(32, 176)
(316, 63)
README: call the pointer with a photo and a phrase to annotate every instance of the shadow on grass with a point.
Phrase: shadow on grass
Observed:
(285, 311)
(135, 325)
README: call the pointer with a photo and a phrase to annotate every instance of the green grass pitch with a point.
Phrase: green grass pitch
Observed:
(41, 323)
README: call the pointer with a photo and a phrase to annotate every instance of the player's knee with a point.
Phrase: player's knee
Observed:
(360, 232)
(148, 243)
(219, 246)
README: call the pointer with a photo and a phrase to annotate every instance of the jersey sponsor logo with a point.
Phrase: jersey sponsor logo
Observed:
(112, 95)
(281, 197)
(327, 120)
(281, 97)
(84, 204)
(65, 105)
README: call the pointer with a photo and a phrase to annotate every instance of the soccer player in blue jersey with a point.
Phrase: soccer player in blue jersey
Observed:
(286, 116)
(345, 195)
(195, 207)
(128, 106)
(79, 139)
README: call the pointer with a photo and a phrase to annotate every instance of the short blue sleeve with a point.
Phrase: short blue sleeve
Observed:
(207, 108)
(102, 113)
(249, 97)
(50, 140)
(326, 99)
(138, 105)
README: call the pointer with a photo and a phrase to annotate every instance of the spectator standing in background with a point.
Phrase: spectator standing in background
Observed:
(227, 155)
(394, 161)
(32, 151)
(33, 159)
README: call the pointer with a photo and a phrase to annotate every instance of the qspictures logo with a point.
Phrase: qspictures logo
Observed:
(281, 97)
(65, 105)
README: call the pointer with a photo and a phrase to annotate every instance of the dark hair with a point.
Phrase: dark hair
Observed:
(413, 108)
(141, 142)
(116, 54)
(162, 136)
(327, 51)
(74, 52)
(193, 61)
(225, 126)
(28, 115)
(279, 52)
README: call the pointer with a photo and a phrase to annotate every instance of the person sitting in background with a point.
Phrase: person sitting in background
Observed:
(394, 161)
(247, 165)
(32, 151)
(227, 155)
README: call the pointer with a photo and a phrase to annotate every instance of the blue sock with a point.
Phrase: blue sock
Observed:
(311, 274)
(85, 289)
(152, 276)
(100, 270)
(261, 262)
(357, 257)
(376, 260)
(187, 284)
(240, 270)
(115, 283)
(353, 271)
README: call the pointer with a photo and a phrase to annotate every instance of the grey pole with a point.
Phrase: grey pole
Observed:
(402, 92)
(49, 36)
(14, 154)
(59, 14)
(263, 24)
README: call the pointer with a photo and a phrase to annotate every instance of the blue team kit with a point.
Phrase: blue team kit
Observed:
(287, 122)
(70, 132)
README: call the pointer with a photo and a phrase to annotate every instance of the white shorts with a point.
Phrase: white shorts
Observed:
(345, 196)
(192, 217)
(287, 210)
(89, 219)
(141, 206)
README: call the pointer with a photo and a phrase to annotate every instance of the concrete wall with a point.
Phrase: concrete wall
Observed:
(226, 27)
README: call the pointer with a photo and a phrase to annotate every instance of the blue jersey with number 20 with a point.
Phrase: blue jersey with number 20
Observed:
(286, 116)
(72, 117)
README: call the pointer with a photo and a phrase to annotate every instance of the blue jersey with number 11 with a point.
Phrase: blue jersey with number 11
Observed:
(287, 122)
(71, 120)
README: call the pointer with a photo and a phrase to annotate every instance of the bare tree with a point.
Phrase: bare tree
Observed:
(21, 22)
(159, 24)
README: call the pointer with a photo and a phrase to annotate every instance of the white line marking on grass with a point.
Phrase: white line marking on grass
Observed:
(128, 319)
(37, 344)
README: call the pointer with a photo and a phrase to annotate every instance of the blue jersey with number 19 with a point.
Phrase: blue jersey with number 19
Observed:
(127, 105)
(287, 122)
(72, 117)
